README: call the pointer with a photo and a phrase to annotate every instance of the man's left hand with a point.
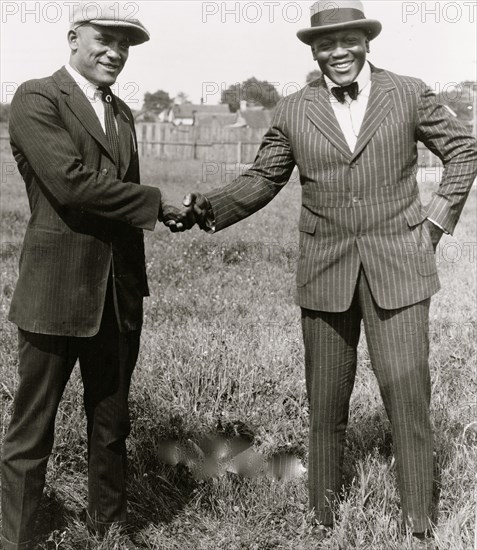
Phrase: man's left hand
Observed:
(435, 233)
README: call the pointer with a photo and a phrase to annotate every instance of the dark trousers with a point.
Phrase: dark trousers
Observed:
(398, 346)
(107, 361)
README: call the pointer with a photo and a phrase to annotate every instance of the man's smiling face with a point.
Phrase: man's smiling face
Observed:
(341, 55)
(99, 53)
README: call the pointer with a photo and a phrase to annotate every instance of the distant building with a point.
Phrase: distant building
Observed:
(188, 114)
(215, 120)
(210, 116)
(146, 116)
(252, 117)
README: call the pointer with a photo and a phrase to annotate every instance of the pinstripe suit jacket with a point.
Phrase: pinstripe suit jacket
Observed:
(86, 219)
(361, 207)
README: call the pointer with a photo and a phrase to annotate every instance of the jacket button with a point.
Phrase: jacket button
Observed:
(104, 171)
(355, 199)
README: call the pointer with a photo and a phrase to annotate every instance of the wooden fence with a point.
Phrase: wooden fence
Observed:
(215, 144)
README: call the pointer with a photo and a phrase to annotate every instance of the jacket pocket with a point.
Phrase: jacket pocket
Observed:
(422, 256)
(414, 215)
(307, 226)
(308, 221)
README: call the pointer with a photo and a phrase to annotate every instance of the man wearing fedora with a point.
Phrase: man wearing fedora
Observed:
(82, 274)
(366, 242)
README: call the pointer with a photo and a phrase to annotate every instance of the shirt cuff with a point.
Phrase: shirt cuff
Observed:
(438, 225)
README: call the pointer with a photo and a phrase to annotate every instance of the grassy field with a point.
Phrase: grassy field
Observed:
(222, 356)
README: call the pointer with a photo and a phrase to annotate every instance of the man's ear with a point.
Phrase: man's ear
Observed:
(313, 53)
(73, 40)
(367, 46)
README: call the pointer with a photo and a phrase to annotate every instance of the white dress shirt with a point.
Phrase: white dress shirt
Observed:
(92, 93)
(350, 114)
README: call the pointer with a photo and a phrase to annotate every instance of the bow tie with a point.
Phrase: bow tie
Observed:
(339, 91)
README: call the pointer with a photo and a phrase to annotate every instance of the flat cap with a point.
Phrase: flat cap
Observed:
(110, 14)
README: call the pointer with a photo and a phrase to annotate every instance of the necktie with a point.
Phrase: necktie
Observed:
(110, 122)
(339, 91)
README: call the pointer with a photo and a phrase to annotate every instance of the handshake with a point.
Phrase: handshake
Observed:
(196, 209)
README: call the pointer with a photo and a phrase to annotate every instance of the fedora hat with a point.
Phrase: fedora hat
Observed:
(109, 14)
(336, 15)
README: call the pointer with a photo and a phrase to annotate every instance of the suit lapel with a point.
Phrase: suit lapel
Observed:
(81, 107)
(379, 106)
(321, 114)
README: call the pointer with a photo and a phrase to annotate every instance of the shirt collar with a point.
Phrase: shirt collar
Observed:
(89, 89)
(363, 80)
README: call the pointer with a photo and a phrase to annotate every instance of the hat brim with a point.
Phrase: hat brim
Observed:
(371, 27)
(137, 33)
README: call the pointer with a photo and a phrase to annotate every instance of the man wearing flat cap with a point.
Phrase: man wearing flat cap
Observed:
(82, 274)
(366, 241)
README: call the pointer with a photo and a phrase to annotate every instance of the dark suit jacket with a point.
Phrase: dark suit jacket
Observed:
(359, 208)
(86, 219)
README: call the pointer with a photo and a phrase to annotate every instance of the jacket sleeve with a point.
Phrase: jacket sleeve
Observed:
(255, 188)
(447, 138)
(39, 134)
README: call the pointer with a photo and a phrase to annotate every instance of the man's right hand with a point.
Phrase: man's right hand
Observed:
(196, 210)
(200, 208)
(176, 219)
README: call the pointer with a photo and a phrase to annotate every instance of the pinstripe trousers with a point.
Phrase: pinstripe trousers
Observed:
(398, 345)
(107, 361)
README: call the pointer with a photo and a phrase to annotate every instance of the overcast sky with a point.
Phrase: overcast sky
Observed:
(202, 47)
